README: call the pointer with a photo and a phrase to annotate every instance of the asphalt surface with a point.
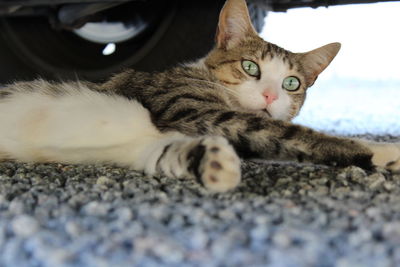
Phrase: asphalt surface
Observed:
(282, 214)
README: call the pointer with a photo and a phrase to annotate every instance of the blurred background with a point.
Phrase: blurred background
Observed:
(360, 91)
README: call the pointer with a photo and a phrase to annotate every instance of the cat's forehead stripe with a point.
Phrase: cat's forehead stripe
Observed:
(272, 51)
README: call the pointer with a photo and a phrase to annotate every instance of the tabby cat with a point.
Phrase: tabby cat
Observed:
(190, 121)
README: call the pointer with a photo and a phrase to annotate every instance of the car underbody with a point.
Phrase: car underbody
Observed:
(69, 12)
(66, 39)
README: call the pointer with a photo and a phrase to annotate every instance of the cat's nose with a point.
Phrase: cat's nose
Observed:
(270, 97)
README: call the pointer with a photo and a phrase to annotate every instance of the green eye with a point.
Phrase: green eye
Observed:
(291, 83)
(251, 68)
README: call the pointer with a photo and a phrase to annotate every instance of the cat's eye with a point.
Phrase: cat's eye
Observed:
(251, 68)
(291, 83)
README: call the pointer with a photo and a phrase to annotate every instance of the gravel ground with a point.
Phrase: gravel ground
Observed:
(283, 214)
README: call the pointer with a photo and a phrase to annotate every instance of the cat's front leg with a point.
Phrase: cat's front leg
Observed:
(258, 136)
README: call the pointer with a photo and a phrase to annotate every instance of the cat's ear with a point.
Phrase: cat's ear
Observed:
(315, 61)
(234, 24)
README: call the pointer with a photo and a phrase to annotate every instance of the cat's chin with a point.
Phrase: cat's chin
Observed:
(277, 115)
(262, 112)
(271, 114)
(267, 112)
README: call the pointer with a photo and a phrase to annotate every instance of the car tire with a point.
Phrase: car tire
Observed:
(32, 48)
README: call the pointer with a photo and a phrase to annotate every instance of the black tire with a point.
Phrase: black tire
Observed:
(184, 31)
(31, 48)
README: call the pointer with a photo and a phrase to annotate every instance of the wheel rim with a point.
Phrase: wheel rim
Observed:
(106, 32)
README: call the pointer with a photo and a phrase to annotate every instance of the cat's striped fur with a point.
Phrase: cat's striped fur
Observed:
(203, 109)
(189, 121)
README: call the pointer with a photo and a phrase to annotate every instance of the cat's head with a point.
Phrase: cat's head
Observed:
(258, 74)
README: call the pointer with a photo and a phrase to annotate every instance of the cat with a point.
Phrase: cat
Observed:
(193, 120)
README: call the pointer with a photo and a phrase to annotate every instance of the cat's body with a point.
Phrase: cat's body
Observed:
(190, 121)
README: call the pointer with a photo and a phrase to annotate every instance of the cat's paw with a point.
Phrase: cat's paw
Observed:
(386, 155)
(220, 170)
(394, 166)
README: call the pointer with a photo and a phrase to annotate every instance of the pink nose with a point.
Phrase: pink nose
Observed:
(270, 97)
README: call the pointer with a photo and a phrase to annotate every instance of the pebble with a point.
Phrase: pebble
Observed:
(3, 201)
(322, 190)
(104, 180)
(24, 225)
(391, 231)
(259, 233)
(282, 239)
(73, 229)
(356, 173)
(95, 208)
(389, 186)
(282, 214)
(58, 257)
(198, 239)
(375, 181)
(124, 214)
(342, 189)
(16, 207)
